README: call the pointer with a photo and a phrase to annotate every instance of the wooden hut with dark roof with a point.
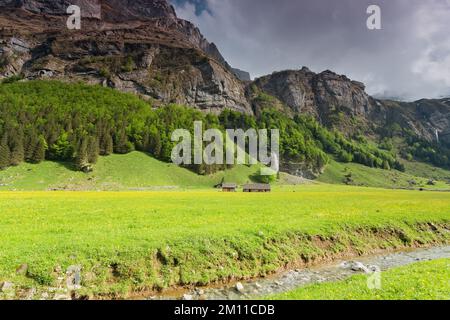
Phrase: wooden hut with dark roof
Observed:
(229, 187)
(257, 187)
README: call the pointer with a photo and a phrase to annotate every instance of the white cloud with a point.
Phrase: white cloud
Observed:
(433, 62)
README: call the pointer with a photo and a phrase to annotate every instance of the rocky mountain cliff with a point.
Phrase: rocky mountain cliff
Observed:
(321, 95)
(108, 10)
(339, 102)
(141, 46)
(136, 46)
(89, 8)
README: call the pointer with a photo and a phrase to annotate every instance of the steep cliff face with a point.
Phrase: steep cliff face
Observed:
(137, 46)
(242, 75)
(339, 102)
(89, 8)
(333, 99)
(126, 10)
(307, 92)
(109, 10)
(426, 118)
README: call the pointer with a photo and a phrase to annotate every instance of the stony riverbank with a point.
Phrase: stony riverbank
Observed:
(289, 280)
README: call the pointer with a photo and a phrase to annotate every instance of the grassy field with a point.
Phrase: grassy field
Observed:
(420, 281)
(126, 242)
(418, 173)
(140, 172)
(135, 171)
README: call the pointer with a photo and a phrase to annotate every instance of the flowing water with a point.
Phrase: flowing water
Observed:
(293, 279)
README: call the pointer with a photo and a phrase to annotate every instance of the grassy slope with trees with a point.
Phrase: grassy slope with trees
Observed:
(48, 120)
(74, 124)
(140, 171)
(133, 171)
(417, 175)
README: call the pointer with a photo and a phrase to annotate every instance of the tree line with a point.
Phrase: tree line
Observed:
(77, 123)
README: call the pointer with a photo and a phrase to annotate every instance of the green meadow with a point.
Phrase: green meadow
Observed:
(133, 171)
(419, 281)
(138, 171)
(131, 242)
(417, 175)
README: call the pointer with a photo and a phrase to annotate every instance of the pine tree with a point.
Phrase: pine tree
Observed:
(4, 152)
(109, 145)
(61, 149)
(93, 150)
(30, 141)
(121, 143)
(17, 149)
(39, 150)
(105, 143)
(155, 143)
(81, 157)
(143, 144)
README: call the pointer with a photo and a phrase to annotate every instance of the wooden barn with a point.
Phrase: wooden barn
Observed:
(257, 187)
(229, 187)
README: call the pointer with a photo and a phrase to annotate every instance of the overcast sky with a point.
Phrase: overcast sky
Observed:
(409, 58)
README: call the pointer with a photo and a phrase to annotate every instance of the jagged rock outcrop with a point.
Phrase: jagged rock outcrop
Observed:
(90, 8)
(426, 118)
(242, 75)
(138, 46)
(322, 95)
(126, 10)
(108, 10)
(336, 101)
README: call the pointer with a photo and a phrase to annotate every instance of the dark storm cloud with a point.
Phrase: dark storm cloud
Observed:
(409, 57)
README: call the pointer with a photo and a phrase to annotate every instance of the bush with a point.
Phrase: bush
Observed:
(344, 156)
(104, 73)
(266, 175)
(12, 79)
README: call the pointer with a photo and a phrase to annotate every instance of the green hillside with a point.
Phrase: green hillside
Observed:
(133, 171)
(52, 132)
(417, 175)
(76, 123)
(140, 171)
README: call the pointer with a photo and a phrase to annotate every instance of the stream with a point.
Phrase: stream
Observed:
(289, 280)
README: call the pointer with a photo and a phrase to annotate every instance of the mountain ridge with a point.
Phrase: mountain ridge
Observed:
(123, 11)
(336, 100)
(109, 10)
(144, 48)
(188, 70)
